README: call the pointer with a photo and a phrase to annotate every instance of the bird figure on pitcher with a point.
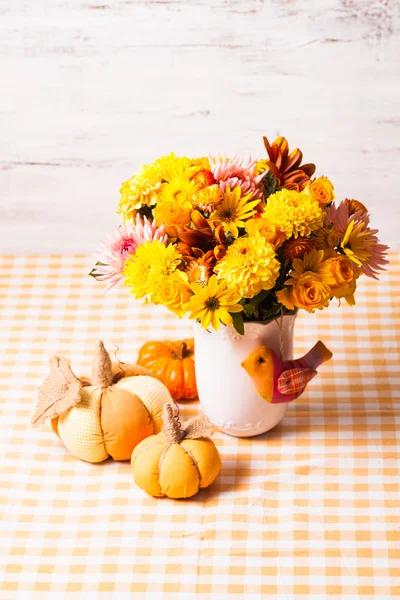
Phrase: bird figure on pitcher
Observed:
(280, 381)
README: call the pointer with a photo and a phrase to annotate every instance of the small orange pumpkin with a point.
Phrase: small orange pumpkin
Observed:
(172, 362)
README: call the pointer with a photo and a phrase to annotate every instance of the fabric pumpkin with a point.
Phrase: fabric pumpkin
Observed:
(179, 461)
(106, 415)
(172, 362)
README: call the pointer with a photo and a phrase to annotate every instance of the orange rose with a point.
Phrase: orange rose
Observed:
(173, 214)
(267, 229)
(308, 292)
(338, 272)
(321, 190)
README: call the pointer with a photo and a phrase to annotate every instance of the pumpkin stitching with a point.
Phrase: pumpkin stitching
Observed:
(173, 432)
(160, 462)
(145, 450)
(185, 446)
(194, 462)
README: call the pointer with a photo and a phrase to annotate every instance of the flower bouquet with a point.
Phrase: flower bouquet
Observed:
(234, 240)
(247, 243)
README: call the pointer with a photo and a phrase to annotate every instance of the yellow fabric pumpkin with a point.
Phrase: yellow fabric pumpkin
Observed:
(179, 461)
(106, 415)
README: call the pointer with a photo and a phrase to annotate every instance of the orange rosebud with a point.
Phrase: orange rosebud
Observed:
(321, 190)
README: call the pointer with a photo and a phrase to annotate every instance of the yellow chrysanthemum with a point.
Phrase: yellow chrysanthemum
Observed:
(234, 210)
(178, 190)
(140, 190)
(179, 167)
(201, 163)
(173, 167)
(144, 270)
(250, 264)
(213, 303)
(295, 213)
(207, 198)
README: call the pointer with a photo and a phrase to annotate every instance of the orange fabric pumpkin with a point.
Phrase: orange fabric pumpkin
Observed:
(106, 415)
(172, 362)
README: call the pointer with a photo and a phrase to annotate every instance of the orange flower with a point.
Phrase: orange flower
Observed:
(285, 167)
(326, 237)
(321, 190)
(200, 236)
(204, 178)
(174, 292)
(297, 247)
(172, 214)
(201, 268)
(339, 272)
(307, 291)
(264, 227)
(355, 206)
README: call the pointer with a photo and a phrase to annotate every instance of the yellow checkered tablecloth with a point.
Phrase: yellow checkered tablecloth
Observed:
(308, 510)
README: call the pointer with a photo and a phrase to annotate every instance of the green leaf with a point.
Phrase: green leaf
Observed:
(270, 184)
(146, 211)
(238, 322)
(93, 273)
(249, 309)
(260, 297)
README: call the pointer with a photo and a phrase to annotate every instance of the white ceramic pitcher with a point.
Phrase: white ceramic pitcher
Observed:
(226, 392)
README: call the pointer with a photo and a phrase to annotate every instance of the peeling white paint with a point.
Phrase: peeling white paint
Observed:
(90, 89)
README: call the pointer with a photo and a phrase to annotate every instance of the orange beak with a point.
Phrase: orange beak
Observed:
(244, 364)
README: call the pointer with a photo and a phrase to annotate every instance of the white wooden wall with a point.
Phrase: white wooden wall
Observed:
(91, 88)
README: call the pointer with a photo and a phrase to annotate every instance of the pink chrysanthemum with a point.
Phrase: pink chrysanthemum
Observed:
(237, 172)
(123, 244)
(358, 241)
(340, 216)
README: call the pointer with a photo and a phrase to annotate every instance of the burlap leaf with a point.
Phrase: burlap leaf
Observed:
(60, 391)
(174, 433)
(198, 427)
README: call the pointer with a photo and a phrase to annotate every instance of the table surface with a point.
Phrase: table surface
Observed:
(308, 510)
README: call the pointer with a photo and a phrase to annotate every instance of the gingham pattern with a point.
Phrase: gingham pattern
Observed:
(80, 427)
(308, 510)
(152, 393)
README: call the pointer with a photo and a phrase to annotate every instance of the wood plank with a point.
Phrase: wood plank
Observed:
(90, 89)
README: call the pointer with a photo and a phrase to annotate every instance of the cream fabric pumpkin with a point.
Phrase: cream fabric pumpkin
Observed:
(107, 415)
